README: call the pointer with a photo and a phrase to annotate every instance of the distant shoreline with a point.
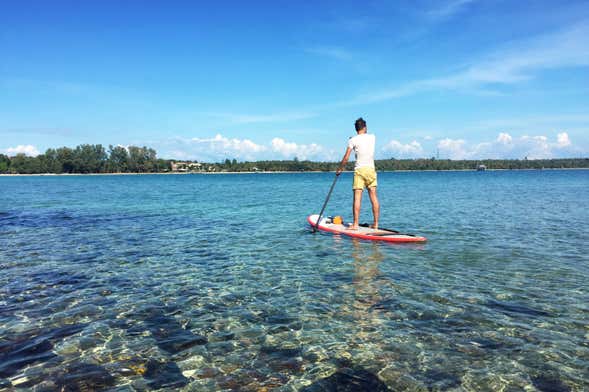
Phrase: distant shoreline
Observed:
(269, 172)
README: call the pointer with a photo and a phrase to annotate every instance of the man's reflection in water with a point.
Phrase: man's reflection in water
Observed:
(367, 292)
(366, 275)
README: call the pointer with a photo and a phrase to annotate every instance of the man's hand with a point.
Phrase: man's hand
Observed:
(338, 171)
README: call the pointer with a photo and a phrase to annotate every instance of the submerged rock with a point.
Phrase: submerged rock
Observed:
(280, 359)
(279, 352)
(442, 380)
(169, 334)
(83, 377)
(164, 375)
(222, 336)
(315, 354)
(548, 382)
(347, 379)
(516, 309)
(399, 381)
(16, 355)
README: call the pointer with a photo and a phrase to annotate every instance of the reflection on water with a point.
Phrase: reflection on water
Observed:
(366, 293)
(180, 292)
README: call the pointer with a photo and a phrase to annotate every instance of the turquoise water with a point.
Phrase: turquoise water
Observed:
(214, 282)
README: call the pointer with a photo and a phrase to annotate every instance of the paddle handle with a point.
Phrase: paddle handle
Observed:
(325, 203)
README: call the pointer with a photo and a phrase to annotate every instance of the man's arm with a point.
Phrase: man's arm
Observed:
(342, 165)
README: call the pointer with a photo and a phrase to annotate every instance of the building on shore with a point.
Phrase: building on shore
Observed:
(183, 167)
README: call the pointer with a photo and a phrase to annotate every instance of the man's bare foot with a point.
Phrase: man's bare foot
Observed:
(374, 226)
(352, 227)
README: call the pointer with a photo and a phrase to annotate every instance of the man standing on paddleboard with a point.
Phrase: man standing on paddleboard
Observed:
(364, 172)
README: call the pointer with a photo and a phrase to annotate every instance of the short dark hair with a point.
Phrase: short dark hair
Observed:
(360, 123)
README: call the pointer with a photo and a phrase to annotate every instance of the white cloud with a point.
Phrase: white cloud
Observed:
(28, 149)
(505, 146)
(562, 140)
(534, 147)
(291, 149)
(504, 138)
(223, 146)
(452, 148)
(410, 150)
(209, 149)
(220, 147)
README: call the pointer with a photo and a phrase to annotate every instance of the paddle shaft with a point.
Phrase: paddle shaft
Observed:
(325, 204)
(391, 231)
(381, 228)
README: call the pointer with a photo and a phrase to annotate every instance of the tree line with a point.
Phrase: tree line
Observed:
(403, 164)
(94, 158)
(87, 158)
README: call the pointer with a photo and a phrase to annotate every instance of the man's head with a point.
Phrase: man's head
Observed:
(360, 125)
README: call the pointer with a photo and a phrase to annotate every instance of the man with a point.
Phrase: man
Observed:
(364, 173)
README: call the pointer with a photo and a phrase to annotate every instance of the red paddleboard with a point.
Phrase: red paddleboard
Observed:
(365, 233)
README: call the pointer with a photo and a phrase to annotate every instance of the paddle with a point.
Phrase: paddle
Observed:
(325, 204)
(380, 228)
(391, 231)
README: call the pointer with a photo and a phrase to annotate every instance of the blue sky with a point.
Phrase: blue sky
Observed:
(275, 80)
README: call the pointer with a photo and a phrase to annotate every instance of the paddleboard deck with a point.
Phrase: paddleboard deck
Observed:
(363, 232)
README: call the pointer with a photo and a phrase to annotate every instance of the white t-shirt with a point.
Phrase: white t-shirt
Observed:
(363, 146)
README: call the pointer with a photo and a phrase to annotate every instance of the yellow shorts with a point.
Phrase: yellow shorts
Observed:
(364, 177)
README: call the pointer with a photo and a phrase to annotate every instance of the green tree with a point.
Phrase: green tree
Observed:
(23, 164)
(163, 165)
(89, 158)
(50, 161)
(142, 159)
(65, 159)
(118, 161)
(4, 163)
(136, 159)
(150, 157)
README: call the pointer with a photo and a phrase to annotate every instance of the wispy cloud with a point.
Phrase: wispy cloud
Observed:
(235, 118)
(46, 86)
(522, 60)
(97, 93)
(533, 122)
(333, 52)
(39, 131)
(448, 9)
(349, 23)
(515, 63)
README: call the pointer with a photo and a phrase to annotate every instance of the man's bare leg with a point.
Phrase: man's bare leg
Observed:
(356, 208)
(375, 206)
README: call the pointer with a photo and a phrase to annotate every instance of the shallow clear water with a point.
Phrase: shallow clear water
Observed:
(214, 282)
